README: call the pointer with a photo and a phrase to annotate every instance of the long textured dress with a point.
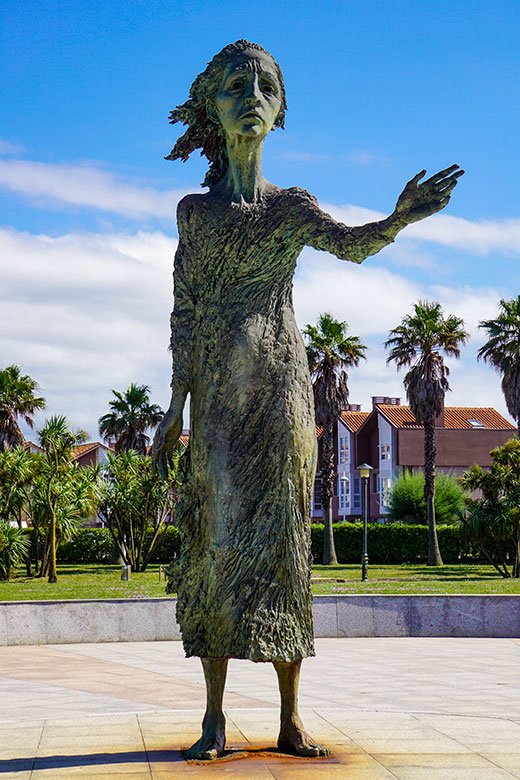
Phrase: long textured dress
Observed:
(243, 574)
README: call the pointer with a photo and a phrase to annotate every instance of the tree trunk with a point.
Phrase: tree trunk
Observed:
(516, 564)
(53, 574)
(37, 551)
(434, 553)
(327, 491)
(27, 558)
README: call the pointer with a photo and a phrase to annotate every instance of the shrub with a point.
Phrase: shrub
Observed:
(13, 549)
(492, 522)
(96, 545)
(135, 502)
(168, 545)
(389, 544)
(90, 545)
(407, 504)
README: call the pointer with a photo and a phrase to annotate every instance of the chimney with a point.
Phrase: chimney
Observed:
(385, 399)
(353, 408)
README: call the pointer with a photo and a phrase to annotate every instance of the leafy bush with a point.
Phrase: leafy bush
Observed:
(96, 545)
(13, 549)
(135, 502)
(90, 545)
(492, 522)
(407, 504)
(168, 545)
(388, 544)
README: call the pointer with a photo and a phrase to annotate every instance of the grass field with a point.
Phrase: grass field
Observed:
(104, 582)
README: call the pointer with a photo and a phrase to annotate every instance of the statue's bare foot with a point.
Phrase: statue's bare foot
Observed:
(212, 742)
(295, 740)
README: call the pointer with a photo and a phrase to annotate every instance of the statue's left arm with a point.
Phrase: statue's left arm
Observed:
(417, 201)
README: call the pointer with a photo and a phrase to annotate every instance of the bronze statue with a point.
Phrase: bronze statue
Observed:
(243, 576)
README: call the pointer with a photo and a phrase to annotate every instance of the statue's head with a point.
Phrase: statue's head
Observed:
(211, 110)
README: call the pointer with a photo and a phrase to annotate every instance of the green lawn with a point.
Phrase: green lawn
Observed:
(104, 582)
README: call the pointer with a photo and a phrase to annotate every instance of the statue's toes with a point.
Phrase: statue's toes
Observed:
(202, 751)
(304, 746)
(312, 750)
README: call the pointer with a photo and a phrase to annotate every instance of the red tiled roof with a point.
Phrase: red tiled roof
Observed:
(454, 417)
(184, 439)
(319, 431)
(82, 449)
(354, 420)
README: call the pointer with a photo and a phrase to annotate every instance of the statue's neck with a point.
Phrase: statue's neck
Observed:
(244, 179)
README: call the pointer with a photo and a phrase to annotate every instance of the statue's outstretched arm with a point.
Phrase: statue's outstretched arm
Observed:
(417, 201)
(181, 322)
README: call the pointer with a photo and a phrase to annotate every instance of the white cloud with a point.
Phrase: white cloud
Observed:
(85, 313)
(8, 147)
(86, 186)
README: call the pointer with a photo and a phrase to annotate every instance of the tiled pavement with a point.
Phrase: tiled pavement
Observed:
(388, 708)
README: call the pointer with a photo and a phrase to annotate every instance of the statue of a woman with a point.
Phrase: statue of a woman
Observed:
(243, 576)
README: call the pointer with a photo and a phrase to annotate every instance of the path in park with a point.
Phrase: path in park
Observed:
(387, 708)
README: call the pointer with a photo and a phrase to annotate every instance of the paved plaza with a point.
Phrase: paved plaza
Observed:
(387, 708)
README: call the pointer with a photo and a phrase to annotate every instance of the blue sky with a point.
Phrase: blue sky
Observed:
(376, 92)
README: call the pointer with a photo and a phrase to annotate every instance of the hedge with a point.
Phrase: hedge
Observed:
(90, 545)
(393, 543)
(95, 545)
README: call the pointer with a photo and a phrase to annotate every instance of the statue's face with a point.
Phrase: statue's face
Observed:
(249, 98)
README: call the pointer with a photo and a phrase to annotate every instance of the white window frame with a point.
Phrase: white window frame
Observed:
(357, 493)
(344, 449)
(385, 486)
(344, 491)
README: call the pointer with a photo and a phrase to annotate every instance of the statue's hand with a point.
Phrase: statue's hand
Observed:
(418, 201)
(165, 439)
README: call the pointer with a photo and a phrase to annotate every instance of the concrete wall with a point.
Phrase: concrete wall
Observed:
(64, 622)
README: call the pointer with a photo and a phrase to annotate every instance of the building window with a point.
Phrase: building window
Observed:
(344, 492)
(317, 498)
(343, 449)
(476, 424)
(357, 493)
(385, 452)
(385, 487)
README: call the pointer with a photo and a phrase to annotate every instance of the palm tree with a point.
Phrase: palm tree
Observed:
(419, 342)
(63, 493)
(131, 416)
(330, 351)
(502, 351)
(17, 399)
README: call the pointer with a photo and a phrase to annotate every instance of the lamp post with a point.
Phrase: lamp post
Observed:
(364, 473)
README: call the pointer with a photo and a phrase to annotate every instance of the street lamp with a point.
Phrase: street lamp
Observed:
(364, 473)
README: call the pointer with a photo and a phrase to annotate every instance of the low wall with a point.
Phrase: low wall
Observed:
(126, 620)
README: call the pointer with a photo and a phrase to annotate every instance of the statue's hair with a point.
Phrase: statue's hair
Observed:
(204, 131)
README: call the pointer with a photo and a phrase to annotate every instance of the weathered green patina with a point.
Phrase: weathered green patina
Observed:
(243, 577)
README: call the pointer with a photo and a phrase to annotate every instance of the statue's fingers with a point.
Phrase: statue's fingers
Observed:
(452, 177)
(442, 202)
(448, 187)
(443, 174)
(416, 178)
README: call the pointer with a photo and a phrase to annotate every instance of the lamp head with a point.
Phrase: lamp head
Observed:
(364, 470)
